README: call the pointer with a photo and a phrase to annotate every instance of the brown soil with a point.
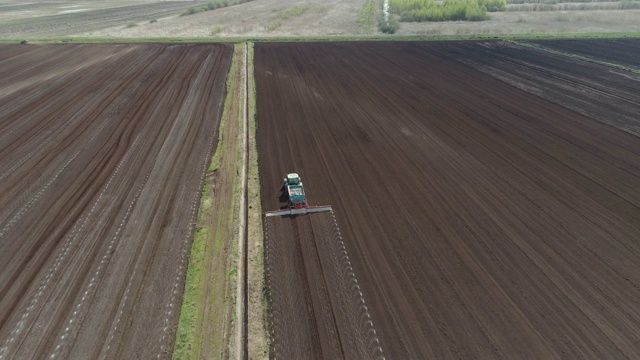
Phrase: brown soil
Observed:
(621, 51)
(103, 149)
(604, 93)
(482, 221)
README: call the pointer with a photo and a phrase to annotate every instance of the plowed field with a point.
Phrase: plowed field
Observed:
(480, 220)
(622, 51)
(603, 93)
(102, 153)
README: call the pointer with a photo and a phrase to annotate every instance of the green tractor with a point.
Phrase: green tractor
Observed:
(297, 203)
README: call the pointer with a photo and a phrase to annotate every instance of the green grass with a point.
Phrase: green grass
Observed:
(293, 12)
(256, 260)
(272, 26)
(252, 97)
(366, 17)
(187, 344)
(435, 37)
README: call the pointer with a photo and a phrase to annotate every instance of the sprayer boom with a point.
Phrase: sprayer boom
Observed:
(299, 211)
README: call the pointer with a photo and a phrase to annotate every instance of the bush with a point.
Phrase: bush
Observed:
(216, 30)
(153, 21)
(450, 10)
(130, 25)
(190, 11)
(494, 5)
(389, 27)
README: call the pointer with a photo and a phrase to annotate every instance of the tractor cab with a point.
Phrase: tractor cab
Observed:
(292, 179)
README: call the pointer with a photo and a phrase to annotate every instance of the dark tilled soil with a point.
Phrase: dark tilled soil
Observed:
(620, 51)
(600, 92)
(481, 220)
(103, 150)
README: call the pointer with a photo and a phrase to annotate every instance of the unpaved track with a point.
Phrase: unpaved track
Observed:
(482, 221)
(102, 152)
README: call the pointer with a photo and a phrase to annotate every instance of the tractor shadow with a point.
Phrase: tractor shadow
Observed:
(284, 198)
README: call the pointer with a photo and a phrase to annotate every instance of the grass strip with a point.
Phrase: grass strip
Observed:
(208, 240)
(331, 38)
(258, 347)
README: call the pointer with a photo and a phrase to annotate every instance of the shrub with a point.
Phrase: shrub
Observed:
(450, 10)
(130, 25)
(153, 21)
(190, 11)
(216, 30)
(494, 5)
(389, 27)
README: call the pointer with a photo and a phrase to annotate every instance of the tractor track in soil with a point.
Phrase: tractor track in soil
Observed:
(605, 94)
(484, 213)
(622, 51)
(105, 157)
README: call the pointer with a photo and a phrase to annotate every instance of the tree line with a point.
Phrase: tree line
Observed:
(449, 10)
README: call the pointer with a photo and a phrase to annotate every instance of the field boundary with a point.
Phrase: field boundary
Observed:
(257, 307)
(206, 316)
(329, 38)
(241, 286)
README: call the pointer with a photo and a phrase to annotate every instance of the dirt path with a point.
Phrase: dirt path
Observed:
(241, 295)
(481, 221)
(257, 308)
(106, 165)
